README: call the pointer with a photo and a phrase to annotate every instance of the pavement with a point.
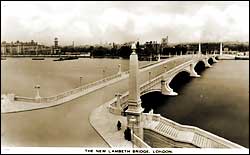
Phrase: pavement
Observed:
(105, 123)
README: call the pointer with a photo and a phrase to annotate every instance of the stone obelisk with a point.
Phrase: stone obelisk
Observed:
(134, 110)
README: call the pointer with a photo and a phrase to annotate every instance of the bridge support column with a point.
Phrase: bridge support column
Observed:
(166, 90)
(192, 71)
(206, 63)
(134, 111)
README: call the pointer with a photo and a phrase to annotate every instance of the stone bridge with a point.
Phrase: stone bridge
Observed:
(161, 81)
(155, 130)
(157, 70)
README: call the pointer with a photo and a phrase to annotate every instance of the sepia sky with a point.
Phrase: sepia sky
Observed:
(119, 22)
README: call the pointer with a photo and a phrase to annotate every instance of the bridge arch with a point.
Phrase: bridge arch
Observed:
(199, 66)
(210, 60)
(150, 91)
(200, 62)
(184, 70)
(180, 79)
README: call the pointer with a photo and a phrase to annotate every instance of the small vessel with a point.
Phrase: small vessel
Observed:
(37, 58)
(60, 59)
(66, 58)
(71, 58)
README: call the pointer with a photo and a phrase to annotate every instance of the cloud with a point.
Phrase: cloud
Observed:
(94, 22)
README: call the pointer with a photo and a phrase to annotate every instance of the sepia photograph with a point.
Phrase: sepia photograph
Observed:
(125, 77)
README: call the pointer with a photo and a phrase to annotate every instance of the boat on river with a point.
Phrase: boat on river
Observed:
(66, 58)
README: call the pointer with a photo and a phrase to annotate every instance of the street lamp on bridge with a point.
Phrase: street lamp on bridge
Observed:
(149, 76)
(37, 87)
(81, 80)
(103, 73)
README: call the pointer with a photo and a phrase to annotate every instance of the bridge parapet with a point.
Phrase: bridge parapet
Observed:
(184, 133)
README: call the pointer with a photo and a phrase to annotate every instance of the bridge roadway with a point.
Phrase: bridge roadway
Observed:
(68, 124)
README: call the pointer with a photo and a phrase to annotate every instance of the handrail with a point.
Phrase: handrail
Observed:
(70, 92)
(24, 99)
(139, 142)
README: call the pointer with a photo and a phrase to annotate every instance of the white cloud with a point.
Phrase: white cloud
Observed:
(92, 22)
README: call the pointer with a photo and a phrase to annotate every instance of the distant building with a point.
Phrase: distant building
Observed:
(23, 48)
(55, 49)
(164, 42)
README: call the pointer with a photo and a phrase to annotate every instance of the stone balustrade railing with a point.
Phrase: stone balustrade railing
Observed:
(25, 99)
(219, 141)
(139, 142)
(67, 93)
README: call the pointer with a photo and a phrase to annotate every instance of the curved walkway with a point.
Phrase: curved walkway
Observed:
(105, 124)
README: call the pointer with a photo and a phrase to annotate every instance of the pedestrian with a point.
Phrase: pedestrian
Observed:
(127, 134)
(119, 124)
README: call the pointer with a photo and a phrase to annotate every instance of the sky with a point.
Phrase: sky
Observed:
(113, 21)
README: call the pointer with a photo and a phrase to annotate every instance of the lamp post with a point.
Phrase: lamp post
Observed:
(132, 120)
(103, 73)
(37, 87)
(81, 80)
(149, 78)
(165, 69)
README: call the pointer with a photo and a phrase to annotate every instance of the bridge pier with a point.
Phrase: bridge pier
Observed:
(166, 90)
(214, 60)
(192, 71)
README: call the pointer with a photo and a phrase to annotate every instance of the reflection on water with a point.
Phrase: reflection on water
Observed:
(218, 101)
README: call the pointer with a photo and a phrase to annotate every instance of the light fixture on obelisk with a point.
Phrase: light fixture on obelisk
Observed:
(134, 102)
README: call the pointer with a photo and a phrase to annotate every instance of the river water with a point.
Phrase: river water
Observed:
(218, 101)
(20, 75)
